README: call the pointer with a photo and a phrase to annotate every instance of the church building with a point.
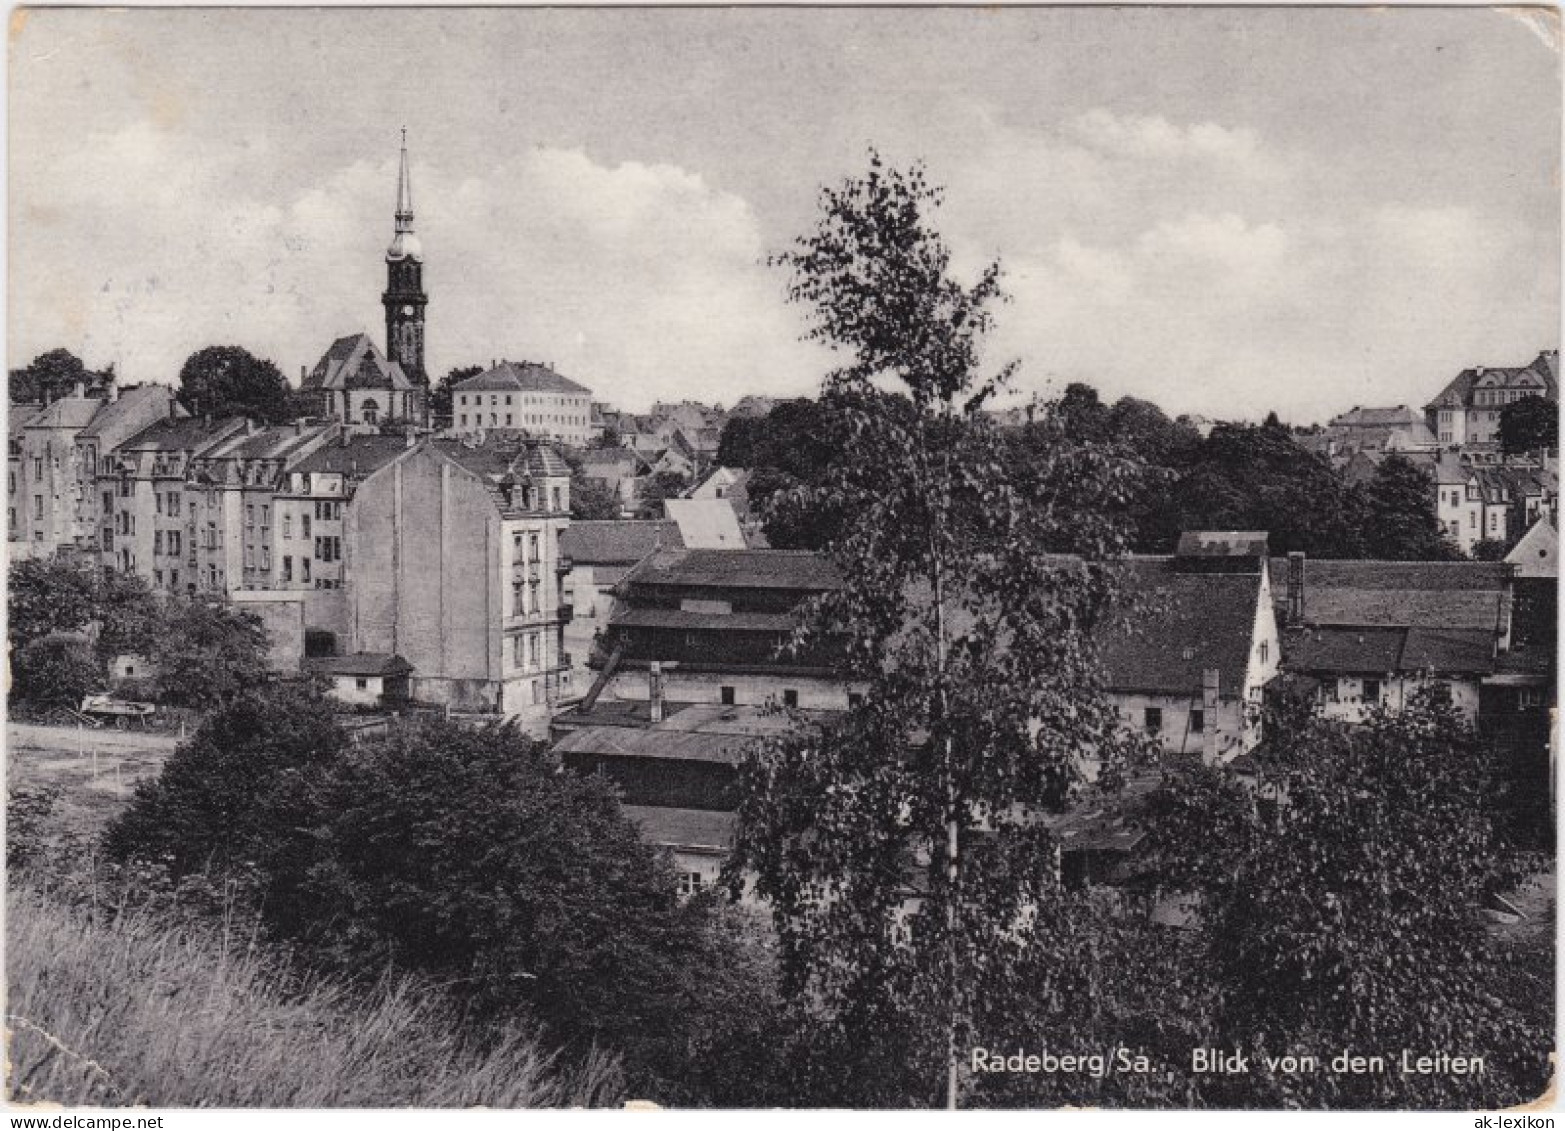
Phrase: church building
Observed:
(355, 382)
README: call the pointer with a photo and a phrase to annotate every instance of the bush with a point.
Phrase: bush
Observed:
(242, 790)
(54, 672)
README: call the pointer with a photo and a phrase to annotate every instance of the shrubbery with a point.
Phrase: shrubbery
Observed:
(467, 857)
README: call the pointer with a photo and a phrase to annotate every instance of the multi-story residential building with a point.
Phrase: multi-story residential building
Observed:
(1473, 502)
(17, 528)
(1466, 413)
(527, 397)
(1398, 429)
(46, 487)
(451, 555)
(155, 519)
(307, 518)
(123, 415)
(235, 482)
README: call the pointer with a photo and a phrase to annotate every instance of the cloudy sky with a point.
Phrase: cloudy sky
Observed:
(1226, 211)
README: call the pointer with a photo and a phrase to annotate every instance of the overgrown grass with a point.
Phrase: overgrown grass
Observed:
(135, 1009)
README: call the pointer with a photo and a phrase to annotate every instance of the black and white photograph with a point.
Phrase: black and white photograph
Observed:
(751, 557)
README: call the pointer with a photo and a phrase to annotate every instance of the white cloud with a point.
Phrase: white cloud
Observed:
(642, 281)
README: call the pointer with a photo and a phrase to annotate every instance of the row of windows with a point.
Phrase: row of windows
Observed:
(535, 418)
(494, 399)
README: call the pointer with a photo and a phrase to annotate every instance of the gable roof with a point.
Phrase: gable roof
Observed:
(706, 524)
(353, 454)
(801, 570)
(1399, 417)
(1379, 649)
(67, 412)
(1178, 625)
(1460, 391)
(1424, 594)
(131, 403)
(678, 745)
(355, 362)
(1537, 554)
(617, 542)
(182, 434)
(523, 376)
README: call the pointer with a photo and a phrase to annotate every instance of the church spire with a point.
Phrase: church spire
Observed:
(404, 244)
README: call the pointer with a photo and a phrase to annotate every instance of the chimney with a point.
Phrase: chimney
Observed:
(303, 372)
(1211, 685)
(78, 390)
(655, 690)
(1295, 588)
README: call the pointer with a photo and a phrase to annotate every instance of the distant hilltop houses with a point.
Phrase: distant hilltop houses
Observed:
(1482, 494)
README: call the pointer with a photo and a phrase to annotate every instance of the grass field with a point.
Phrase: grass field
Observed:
(133, 1011)
(137, 1010)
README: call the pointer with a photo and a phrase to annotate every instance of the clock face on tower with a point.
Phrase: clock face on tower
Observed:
(408, 310)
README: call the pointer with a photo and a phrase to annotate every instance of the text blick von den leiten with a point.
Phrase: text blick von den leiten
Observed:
(1222, 1062)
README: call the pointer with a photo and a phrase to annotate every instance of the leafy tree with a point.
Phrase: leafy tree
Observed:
(52, 375)
(231, 381)
(46, 595)
(1083, 416)
(651, 491)
(440, 395)
(54, 672)
(207, 652)
(1528, 425)
(470, 857)
(1340, 908)
(1401, 524)
(971, 642)
(593, 498)
(1490, 550)
(237, 794)
(1247, 477)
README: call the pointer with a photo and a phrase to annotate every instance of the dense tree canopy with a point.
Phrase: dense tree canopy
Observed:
(471, 857)
(230, 381)
(52, 375)
(593, 499)
(1340, 909)
(1530, 424)
(440, 395)
(1400, 523)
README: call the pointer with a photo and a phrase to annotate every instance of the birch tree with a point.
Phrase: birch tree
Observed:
(901, 847)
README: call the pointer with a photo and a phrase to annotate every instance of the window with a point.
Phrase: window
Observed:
(1198, 721)
(555, 494)
(1372, 691)
(464, 417)
(266, 557)
(287, 526)
(249, 516)
(1265, 650)
(361, 683)
(304, 569)
(532, 596)
(532, 650)
(157, 541)
(1528, 698)
(726, 696)
(689, 883)
(304, 526)
(173, 579)
(1152, 719)
(790, 697)
(518, 658)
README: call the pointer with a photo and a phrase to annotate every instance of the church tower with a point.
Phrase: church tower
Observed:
(405, 298)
